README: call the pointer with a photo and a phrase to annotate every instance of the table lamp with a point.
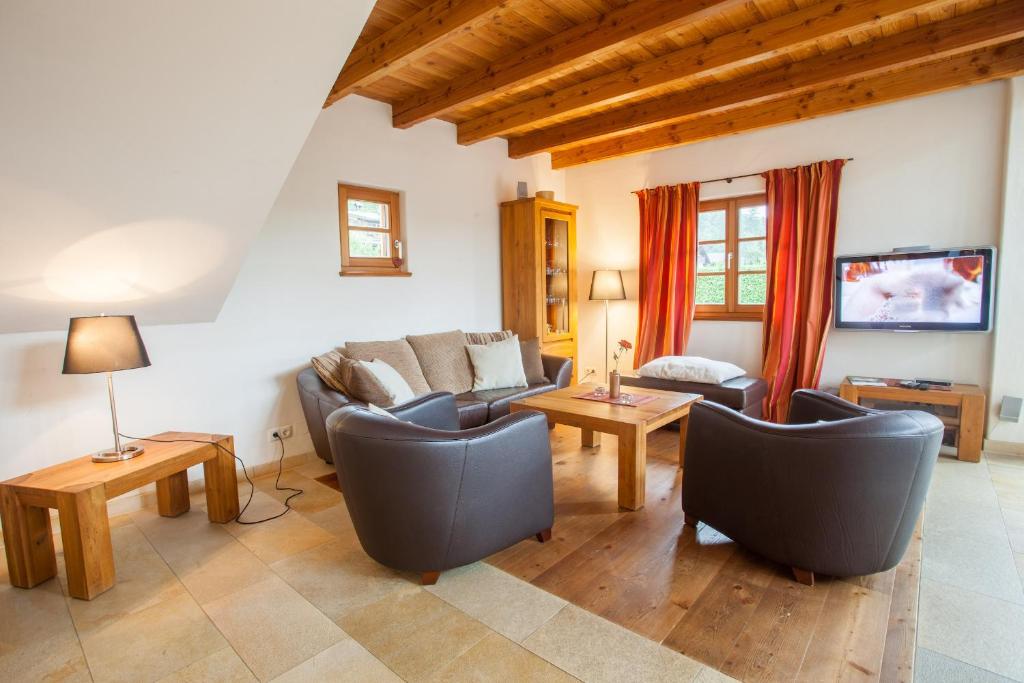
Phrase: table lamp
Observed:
(106, 343)
(607, 286)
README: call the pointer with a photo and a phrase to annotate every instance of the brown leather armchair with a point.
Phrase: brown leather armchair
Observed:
(837, 491)
(425, 497)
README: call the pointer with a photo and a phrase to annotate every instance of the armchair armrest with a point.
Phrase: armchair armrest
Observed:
(807, 406)
(434, 411)
(557, 369)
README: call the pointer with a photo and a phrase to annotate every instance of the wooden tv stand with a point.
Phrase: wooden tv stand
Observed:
(968, 399)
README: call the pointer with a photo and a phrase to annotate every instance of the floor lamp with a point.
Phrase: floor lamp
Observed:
(607, 286)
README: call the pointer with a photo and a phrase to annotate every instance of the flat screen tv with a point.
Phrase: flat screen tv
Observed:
(948, 290)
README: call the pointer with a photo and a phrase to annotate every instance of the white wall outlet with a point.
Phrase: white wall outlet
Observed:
(285, 432)
(589, 372)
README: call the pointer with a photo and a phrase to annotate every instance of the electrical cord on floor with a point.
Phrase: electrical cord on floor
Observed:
(245, 471)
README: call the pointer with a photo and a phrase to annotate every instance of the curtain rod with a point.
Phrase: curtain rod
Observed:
(729, 179)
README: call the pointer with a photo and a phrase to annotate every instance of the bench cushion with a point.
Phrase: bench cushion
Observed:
(740, 393)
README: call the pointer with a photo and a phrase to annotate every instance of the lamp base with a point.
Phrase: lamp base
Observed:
(126, 453)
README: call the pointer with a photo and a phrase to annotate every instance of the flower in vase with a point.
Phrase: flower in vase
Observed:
(620, 351)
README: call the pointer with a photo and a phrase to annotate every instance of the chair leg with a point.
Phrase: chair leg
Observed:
(544, 536)
(690, 520)
(429, 578)
(803, 576)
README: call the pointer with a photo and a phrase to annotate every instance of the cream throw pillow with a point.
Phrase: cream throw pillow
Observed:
(398, 389)
(377, 410)
(497, 365)
(691, 369)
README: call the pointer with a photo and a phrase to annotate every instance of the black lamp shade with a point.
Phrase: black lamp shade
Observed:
(607, 286)
(104, 343)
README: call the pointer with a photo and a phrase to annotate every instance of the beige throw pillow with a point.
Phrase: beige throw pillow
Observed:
(497, 365)
(398, 354)
(443, 360)
(533, 366)
(480, 338)
(350, 378)
(397, 388)
(328, 367)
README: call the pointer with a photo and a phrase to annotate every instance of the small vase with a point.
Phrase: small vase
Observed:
(613, 384)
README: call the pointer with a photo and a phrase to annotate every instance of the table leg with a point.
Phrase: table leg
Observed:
(632, 468)
(221, 485)
(684, 422)
(28, 541)
(172, 495)
(972, 427)
(85, 532)
(590, 438)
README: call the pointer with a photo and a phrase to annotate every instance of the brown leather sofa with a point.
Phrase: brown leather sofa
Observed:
(837, 491)
(474, 408)
(426, 497)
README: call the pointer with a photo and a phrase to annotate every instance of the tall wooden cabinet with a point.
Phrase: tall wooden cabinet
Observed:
(538, 274)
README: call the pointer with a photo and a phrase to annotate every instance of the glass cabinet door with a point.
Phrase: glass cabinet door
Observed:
(556, 277)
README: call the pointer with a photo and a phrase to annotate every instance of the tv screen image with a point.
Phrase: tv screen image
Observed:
(935, 290)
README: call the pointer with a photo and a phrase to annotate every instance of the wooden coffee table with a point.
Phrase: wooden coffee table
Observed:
(631, 424)
(79, 490)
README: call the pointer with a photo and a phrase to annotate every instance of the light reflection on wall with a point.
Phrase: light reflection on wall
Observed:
(127, 263)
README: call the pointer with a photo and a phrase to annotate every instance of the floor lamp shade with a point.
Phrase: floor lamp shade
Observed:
(607, 286)
(105, 343)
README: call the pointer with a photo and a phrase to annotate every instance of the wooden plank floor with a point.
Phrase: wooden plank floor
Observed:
(698, 592)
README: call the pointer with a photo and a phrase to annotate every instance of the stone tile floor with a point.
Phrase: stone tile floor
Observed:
(296, 599)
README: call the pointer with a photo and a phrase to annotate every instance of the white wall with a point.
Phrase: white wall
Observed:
(142, 144)
(1007, 359)
(237, 375)
(926, 171)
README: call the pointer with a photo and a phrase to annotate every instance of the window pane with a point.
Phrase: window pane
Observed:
(710, 289)
(753, 220)
(711, 258)
(711, 226)
(366, 214)
(752, 288)
(367, 244)
(752, 255)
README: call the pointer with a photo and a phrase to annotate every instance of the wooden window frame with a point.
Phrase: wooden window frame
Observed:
(354, 265)
(732, 309)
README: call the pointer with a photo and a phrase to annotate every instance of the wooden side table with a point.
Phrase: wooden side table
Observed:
(968, 399)
(79, 490)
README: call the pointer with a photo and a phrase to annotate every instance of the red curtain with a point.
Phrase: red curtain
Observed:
(668, 270)
(802, 209)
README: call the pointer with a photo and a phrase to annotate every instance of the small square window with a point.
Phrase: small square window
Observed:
(370, 232)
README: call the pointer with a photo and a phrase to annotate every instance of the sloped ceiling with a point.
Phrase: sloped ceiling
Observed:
(142, 144)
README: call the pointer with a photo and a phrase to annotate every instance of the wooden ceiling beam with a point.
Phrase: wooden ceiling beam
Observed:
(993, 63)
(409, 40)
(981, 28)
(746, 46)
(624, 25)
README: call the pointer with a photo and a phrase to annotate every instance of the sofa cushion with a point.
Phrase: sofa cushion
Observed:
(499, 400)
(472, 412)
(497, 365)
(443, 360)
(398, 354)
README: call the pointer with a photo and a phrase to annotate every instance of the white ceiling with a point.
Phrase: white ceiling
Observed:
(143, 142)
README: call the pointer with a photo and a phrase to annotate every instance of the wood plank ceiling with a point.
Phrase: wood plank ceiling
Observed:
(594, 79)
